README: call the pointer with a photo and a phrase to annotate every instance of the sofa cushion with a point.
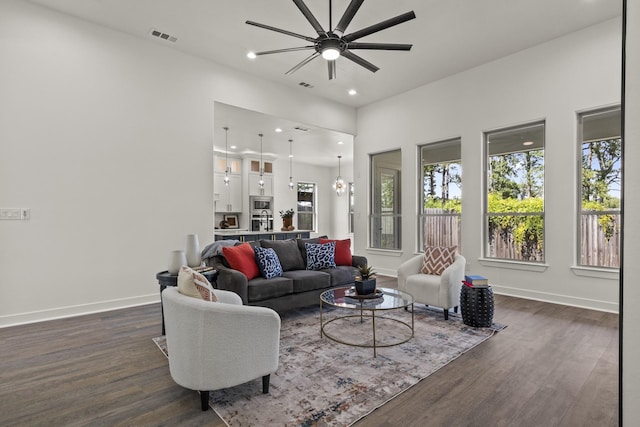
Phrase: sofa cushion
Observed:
(341, 275)
(268, 262)
(261, 289)
(194, 284)
(288, 253)
(307, 280)
(343, 250)
(303, 249)
(320, 256)
(243, 259)
(437, 259)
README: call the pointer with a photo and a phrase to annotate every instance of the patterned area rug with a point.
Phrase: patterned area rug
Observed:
(320, 382)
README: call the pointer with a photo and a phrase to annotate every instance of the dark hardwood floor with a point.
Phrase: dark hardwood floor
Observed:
(552, 366)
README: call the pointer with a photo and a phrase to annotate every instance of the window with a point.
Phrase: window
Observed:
(600, 146)
(385, 220)
(306, 206)
(352, 207)
(514, 204)
(440, 192)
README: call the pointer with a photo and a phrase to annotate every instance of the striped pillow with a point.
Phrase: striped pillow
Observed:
(194, 284)
(437, 259)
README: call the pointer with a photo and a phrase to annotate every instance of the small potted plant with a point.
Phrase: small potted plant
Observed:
(366, 281)
(287, 220)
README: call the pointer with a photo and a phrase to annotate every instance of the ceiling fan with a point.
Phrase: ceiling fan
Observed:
(333, 44)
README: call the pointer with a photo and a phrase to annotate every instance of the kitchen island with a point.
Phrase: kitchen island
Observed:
(252, 236)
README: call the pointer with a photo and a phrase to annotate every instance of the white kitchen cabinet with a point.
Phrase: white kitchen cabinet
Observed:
(227, 198)
(254, 186)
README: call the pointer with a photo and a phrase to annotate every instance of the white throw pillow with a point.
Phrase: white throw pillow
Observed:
(194, 284)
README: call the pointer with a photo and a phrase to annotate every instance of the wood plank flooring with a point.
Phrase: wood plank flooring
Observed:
(552, 366)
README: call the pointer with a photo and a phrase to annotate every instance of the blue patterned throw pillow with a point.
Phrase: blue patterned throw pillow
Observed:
(320, 256)
(268, 262)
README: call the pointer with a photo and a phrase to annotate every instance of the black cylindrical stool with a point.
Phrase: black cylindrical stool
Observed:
(476, 305)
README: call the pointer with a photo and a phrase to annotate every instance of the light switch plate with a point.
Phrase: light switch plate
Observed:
(10, 213)
(15, 213)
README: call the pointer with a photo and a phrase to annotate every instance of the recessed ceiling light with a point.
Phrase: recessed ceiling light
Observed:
(352, 92)
(251, 55)
(233, 147)
(340, 142)
(278, 130)
(527, 143)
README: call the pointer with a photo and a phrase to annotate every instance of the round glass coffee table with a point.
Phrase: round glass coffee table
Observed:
(367, 307)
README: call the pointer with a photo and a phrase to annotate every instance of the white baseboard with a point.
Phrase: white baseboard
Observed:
(76, 310)
(572, 301)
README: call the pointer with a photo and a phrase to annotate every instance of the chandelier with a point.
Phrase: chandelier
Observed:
(290, 164)
(339, 184)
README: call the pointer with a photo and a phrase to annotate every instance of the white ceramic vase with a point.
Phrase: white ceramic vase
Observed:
(192, 250)
(176, 260)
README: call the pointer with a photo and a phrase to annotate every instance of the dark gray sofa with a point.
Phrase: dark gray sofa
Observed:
(297, 287)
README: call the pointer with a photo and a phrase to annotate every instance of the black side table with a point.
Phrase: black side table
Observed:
(167, 279)
(476, 305)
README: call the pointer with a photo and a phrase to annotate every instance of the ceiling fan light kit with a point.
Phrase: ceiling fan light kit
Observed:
(334, 43)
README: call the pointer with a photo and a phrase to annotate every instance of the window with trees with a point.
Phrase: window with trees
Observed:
(515, 193)
(600, 146)
(306, 206)
(385, 219)
(441, 195)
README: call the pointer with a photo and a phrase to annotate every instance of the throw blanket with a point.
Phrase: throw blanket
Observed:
(215, 248)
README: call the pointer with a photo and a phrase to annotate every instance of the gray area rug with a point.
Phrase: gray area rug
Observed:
(320, 382)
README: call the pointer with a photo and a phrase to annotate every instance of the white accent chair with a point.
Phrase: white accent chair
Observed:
(215, 345)
(440, 291)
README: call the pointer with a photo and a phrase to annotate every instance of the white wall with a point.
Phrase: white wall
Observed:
(631, 247)
(107, 139)
(552, 81)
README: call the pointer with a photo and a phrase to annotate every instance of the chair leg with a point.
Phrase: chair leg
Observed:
(204, 400)
(455, 309)
(265, 384)
(446, 313)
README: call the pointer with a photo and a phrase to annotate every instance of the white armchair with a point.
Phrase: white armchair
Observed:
(440, 291)
(214, 345)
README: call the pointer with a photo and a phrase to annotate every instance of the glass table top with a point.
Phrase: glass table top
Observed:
(390, 299)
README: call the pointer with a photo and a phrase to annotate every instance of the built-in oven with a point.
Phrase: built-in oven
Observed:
(261, 205)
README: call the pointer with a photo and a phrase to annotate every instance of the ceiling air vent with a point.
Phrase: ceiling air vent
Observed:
(301, 129)
(161, 35)
(307, 85)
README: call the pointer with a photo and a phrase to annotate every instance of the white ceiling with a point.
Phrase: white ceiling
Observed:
(448, 36)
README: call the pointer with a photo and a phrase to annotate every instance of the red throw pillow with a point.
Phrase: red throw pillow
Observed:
(243, 259)
(343, 251)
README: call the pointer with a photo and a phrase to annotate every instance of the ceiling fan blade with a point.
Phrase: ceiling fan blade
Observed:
(379, 46)
(290, 49)
(278, 30)
(360, 61)
(380, 26)
(303, 63)
(348, 15)
(312, 19)
(332, 69)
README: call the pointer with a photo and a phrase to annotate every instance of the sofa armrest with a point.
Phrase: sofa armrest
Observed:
(358, 260)
(230, 279)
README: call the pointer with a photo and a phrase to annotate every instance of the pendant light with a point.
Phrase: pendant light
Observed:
(261, 181)
(339, 184)
(226, 156)
(290, 164)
